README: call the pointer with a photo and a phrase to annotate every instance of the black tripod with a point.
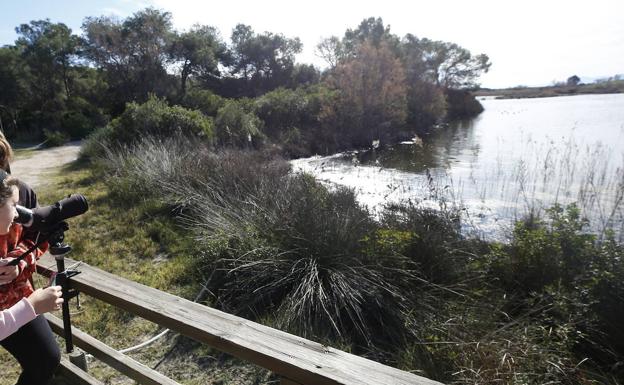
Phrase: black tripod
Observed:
(55, 236)
(62, 278)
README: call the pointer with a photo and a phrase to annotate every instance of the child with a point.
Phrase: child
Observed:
(33, 345)
(39, 302)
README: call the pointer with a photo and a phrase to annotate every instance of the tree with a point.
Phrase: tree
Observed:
(13, 79)
(372, 31)
(133, 53)
(237, 127)
(331, 50)
(266, 61)
(425, 99)
(199, 52)
(49, 50)
(452, 66)
(573, 81)
(371, 94)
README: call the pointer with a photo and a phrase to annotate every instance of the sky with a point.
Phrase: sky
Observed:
(529, 42)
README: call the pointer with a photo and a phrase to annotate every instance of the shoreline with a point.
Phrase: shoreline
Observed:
(614, 87)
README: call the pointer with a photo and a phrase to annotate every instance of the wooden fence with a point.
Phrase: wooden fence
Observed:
(296, 360)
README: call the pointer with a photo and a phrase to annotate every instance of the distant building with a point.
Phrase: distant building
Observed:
(573, 80)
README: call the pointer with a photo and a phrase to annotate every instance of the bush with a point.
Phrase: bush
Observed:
(462, 104)
(275, 245)
(432, 241)
(302, 260)
(236, 126)
(54, 138)
(203, 100)
(545, 253)
(76, 124)
(281, 109)
(156, 118)
(96, 144)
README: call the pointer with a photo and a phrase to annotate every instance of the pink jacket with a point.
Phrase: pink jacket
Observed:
(15, 317)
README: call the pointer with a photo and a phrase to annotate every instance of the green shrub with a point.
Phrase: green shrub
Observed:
(54, 138)
(236, 126)
(545, 253)
(76, 124)
(432, 241)
(302, 261)
(281, 109)
(203, 100)
(156, 118)
(96, 144)
(276, 245)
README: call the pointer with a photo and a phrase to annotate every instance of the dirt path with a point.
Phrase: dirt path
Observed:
(35, 167)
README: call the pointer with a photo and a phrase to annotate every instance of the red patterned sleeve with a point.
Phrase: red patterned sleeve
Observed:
(28, 265)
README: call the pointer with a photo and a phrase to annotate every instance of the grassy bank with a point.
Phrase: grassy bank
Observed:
(609, 87)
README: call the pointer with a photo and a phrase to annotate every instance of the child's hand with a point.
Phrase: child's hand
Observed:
(45, 300)
(7, 273)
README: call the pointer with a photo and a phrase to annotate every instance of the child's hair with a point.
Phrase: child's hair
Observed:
(7, 185)
(6, 153)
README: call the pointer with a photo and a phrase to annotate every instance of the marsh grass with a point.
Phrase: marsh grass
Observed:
(495, 193)
(276, 243)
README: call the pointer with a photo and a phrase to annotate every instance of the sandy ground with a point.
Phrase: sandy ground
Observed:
(35, 167)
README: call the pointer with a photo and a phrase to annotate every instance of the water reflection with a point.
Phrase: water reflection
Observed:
(518, 156)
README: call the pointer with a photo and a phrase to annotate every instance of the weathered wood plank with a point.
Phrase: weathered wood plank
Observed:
(292, 357)
(74, 375)
(122, 363)
(286, 381)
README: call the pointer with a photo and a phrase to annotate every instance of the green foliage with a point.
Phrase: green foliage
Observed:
(282, 109)
(202, 100)
(543, 254)
(55, 138)
(376, 84)
(199, 50)
(430, 239)
(155, 117)
(76, 124)
(236, 126)
(265, 61)
(274, 244)
(132, 53)
(95, 145)
(283, 249)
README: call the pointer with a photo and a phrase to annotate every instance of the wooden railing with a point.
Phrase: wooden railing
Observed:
(296, 360)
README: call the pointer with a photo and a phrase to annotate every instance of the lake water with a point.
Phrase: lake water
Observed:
(518, 156)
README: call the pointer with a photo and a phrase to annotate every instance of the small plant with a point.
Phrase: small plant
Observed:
(54, 138)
